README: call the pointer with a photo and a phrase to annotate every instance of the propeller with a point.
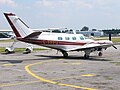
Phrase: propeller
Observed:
(110, 37)
(111, 40)
(114, 46)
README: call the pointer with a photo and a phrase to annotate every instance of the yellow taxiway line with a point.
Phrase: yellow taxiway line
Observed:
(27, 68)
(7, 65)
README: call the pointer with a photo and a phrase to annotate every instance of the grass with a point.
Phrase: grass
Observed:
(115, 40)
(2, 49)
(10, 40)
(116, 63)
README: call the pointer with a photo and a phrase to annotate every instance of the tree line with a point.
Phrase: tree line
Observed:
(106, 31)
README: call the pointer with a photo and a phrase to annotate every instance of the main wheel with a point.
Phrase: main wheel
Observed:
(86, 56)
(65, 54)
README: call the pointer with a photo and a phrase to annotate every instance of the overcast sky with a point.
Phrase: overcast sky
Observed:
(100, 14)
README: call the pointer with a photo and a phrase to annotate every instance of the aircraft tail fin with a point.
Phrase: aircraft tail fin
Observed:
(20, 29)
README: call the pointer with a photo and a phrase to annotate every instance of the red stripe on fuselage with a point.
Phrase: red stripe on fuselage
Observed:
(11, 24)
(50, 42)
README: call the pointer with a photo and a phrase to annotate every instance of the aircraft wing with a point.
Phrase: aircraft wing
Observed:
(91, 46)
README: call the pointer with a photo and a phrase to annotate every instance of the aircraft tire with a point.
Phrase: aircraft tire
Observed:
(65, 54)
(86, 56)
(100, 54)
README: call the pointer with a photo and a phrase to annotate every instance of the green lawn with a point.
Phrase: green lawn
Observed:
(2, 49)
(114, 39)
(10, 40)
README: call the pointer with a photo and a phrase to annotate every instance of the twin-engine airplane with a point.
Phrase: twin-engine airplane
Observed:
(63, 42)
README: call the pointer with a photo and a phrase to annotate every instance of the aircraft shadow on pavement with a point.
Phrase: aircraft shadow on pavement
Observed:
(92, 58)
(12, 61)
(46, 57)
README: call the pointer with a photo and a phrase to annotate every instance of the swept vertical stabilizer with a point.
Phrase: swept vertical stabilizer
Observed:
(20, 29)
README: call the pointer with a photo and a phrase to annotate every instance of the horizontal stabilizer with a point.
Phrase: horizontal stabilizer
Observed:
(33, 35)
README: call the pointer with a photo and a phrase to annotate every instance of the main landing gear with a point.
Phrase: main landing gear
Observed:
(88, 51)
(65, 54)
(87, 54)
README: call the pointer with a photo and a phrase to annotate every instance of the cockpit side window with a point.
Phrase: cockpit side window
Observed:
(81, 38)
(67, 38)
(73, 38)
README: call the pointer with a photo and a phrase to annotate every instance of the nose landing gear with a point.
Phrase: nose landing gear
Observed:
(100, 54)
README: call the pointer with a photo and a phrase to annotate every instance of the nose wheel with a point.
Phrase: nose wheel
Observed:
(100, 54)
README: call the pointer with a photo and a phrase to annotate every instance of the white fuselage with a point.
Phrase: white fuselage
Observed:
(64, 41)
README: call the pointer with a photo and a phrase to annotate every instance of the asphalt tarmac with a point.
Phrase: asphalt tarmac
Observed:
(48, 70)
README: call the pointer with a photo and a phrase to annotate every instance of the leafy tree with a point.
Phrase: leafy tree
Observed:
(94, 29)
(85, 28)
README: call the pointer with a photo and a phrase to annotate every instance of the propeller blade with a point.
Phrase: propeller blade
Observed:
(114, 46)
(110, 37)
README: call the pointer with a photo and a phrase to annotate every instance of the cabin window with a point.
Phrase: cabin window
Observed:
(59, 38)
(92, 34)
(67, 38)
(73, 38)
(81, 38)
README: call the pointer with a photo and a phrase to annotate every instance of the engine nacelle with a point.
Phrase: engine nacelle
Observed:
(28, 49)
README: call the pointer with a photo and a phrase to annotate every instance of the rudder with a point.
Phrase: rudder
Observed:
(20, 29)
